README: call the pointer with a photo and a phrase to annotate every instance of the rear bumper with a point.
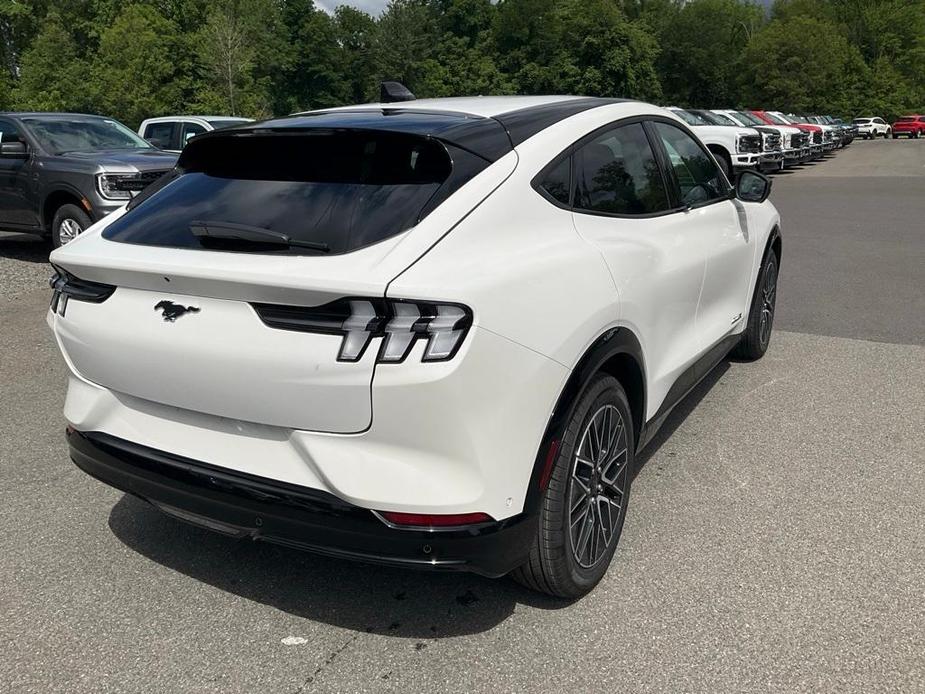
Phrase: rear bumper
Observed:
(251, 507)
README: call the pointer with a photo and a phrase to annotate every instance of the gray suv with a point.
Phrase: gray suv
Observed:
(61, 172)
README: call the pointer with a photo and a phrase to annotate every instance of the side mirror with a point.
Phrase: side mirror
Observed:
(14, 150)
(752, 186)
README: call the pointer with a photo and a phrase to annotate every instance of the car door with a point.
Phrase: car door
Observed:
(16, 208)
(621, 204)
(720, 225)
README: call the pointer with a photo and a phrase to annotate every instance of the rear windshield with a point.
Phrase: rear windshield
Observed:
(330, 191)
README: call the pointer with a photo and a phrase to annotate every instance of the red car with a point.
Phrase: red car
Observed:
(910, 126)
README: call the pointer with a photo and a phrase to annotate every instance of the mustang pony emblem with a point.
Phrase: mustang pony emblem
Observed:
(172, 311)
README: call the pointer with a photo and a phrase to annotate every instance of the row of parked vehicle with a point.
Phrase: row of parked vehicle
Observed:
(765, 140)
(872, 127)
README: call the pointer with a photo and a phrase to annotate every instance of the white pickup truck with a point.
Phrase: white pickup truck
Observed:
(735, 148)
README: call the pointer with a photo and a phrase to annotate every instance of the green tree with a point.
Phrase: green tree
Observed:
(312, 75)
(356, 36)
(701, 46)
(805, 65)
(134, 74)
(576, 46)
(51, 76)
(407, 34)
(239, 52)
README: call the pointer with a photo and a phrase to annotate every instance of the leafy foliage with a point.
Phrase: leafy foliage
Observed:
(133, 59)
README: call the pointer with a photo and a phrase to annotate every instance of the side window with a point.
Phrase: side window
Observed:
(9, 132)
(555, 182)
(190, 130)
(159, 134)
(616, 172)
(698, 175)
(878, 121)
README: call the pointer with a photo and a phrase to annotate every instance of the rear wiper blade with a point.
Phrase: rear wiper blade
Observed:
(228, 231)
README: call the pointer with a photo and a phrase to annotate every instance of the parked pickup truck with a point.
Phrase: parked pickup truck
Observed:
(809, 131)
(171, 133)
(772, 152)
(735, 148)
(793, 151)
(60, 172)
(909, 126)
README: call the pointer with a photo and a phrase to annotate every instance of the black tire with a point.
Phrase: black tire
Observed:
(556, 566)
(67, 214)
(895, 136)
(757, 335)
(724, 163)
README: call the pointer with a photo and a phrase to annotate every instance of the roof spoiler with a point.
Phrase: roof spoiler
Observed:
(390, 92)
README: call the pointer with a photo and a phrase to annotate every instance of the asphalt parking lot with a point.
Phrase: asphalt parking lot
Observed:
(775, 539)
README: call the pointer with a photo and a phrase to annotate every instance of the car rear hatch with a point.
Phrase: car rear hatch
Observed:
(226, 290)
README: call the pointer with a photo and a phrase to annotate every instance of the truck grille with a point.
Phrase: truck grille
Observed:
(140, 181)
(798, 140)
(750, 143)
(772, 142)
(817, 137)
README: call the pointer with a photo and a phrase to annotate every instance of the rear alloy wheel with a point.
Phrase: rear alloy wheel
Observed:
(757, 335)
(69, 222)
(584, 505)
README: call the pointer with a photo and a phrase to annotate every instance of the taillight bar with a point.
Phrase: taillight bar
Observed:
(67, 287)
(400, 322)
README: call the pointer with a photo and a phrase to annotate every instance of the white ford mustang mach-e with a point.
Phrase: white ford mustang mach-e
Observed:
(433, 333)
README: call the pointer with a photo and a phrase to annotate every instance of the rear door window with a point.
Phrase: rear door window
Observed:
(336, 190)
(160, 135)
(190, 130)
(617, 173)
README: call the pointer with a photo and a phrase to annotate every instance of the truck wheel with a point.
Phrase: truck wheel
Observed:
(724, 163)
(69, 222)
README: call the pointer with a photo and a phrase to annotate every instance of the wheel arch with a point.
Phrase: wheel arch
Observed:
(616, 352)
(55, 199)
(719, 150)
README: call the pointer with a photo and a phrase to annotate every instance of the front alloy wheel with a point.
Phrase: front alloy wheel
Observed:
(69, 222)
(757, 335)
(584, 504)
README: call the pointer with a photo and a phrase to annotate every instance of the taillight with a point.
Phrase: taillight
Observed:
(66, 287)
(400, 323)
(431, 521)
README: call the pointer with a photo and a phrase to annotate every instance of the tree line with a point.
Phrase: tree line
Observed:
(133, 59)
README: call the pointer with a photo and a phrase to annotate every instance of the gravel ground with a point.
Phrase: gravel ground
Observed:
(23, 264)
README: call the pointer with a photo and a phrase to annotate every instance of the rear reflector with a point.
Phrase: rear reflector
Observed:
(428, 520)
(548, 465)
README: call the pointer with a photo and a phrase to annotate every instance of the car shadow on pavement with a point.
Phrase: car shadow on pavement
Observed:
(25, 247)
(360, 597)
